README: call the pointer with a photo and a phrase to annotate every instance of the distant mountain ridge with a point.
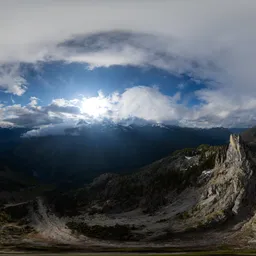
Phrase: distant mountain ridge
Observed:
(91, 149)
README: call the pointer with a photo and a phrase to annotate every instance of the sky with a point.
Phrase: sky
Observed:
(180, 62)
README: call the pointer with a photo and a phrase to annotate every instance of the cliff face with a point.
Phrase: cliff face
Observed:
(207, 190)
(231, 181)
(229, 194)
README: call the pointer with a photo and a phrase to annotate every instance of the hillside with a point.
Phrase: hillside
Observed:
(88, 151)
(202, 196)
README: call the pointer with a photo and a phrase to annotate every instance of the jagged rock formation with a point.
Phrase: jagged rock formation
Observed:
(207, 192)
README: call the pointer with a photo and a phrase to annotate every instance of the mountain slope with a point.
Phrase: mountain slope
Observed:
(249, 136)
(97, 149)
(208, 189)
(201, 196)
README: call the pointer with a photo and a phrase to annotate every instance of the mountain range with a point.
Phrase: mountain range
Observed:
(202, 196)
(88, 150)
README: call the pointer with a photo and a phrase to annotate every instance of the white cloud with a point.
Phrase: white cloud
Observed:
(135, 103)
(223, 109)
(140, 102)
(11, 80)
(207, 40)
(146, 103)
(109, 57)
(65, 103)
(33, 102)
(63, 106)
(33, 115)
(51, 129)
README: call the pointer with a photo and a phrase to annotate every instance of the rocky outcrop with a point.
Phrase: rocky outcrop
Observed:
(229, 193)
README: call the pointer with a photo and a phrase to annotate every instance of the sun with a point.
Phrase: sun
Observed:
(94, 107)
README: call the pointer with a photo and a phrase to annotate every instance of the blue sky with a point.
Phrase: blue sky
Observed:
(187, 63)
(61, 80)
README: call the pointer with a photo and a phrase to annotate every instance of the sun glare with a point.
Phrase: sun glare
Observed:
(94, 106)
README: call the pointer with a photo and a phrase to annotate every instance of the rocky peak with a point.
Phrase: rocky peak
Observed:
(236, 151)
(232, 182)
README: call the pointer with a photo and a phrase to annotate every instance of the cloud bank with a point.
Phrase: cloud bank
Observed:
(136, 103)
(212, 42)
